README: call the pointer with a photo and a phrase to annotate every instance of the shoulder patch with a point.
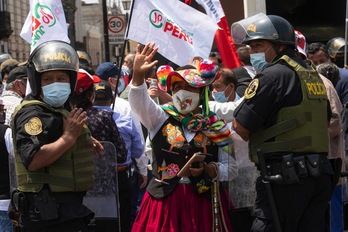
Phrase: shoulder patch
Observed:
(34, 126)
(251, 90)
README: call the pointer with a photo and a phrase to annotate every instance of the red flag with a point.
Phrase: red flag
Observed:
(225, 44)
(223, 38)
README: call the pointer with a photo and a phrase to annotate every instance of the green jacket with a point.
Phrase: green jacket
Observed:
(301, 128)
(72, 172)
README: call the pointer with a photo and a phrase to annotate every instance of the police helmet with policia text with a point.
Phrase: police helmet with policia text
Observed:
(260, 26)
(50, 56)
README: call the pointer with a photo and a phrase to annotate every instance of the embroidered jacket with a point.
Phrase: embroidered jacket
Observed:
(171, 151)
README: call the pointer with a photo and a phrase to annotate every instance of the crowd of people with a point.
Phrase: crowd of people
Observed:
(260, 147)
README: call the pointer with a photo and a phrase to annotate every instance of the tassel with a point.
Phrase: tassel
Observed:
(188, 2)
(219, 224)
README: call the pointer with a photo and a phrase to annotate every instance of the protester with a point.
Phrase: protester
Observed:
(84, 93)
(137, 167)
(244, 56)
(135, 147)
(277, 117)
(242, 189)
(317, 53)
(16, 85)
(5, 69)
(127, 67)
(53, 148)
(330, 71)
(183, 203)
(301, 45)
(5, 195)
(102, 197)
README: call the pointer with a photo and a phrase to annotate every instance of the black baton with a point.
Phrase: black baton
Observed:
(266, 179)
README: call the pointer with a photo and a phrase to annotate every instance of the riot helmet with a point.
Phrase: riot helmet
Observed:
(50, 56)
(335, 46)
(84, 58)
(260, 26)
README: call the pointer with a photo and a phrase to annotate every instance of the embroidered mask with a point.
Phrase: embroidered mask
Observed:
(185, 101)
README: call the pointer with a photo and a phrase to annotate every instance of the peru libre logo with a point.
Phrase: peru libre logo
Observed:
(43, 17)
(158, 20)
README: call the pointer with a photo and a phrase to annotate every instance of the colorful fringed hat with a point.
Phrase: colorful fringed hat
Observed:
(200, 73)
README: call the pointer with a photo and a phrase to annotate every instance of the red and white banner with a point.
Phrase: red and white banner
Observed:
(179, 31)
(223, 38)
(45, 22)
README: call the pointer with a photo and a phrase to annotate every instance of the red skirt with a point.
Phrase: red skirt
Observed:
(181, 211)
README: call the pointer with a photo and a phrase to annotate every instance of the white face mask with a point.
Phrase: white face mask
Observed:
(125, 69)
(185, 101)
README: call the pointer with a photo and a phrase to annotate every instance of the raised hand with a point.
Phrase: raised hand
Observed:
(74, 124)
(143, 62)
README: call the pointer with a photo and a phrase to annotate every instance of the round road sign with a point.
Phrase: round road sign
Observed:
(115, 24)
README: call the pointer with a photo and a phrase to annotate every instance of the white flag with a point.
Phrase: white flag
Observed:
(179, 31)
(45, 22)
(213, 9)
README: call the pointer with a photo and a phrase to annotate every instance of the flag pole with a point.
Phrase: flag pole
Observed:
(123, 51)
(106, 31)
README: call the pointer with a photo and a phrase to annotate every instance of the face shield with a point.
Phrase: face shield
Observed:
(255, 27)
(336, 46)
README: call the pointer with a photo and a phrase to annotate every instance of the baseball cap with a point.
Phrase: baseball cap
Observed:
(17, 73)
(106, 70)
(102, 91)
(301, 43)
(84, 81)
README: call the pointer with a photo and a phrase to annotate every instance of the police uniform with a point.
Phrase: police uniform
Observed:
(276, 88)
(36, 124)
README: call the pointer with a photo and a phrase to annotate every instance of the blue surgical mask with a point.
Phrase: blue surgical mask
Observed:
(56, 94)
(258, 60)
(220, 96)
(122, 85)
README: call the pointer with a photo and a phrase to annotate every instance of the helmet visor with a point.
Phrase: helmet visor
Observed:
(336, 46)
(255, 27)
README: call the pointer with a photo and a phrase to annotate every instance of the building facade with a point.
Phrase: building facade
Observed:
(86, 27)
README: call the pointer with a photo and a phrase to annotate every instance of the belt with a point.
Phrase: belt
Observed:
(122, 168)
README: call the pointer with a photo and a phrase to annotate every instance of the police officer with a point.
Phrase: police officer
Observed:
(284, 115)
(53, 147)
